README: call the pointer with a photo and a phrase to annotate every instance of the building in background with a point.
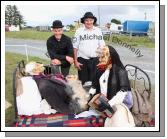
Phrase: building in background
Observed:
(116, 28)
(12, 28)
(66, 28)
(43, 28)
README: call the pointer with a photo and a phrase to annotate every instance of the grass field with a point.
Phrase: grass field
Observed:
(38, 35)
(143, 41)
(11, 61)
(33, 34)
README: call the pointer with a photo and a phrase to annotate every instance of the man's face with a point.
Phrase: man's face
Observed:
(58, 32)
(89, 23)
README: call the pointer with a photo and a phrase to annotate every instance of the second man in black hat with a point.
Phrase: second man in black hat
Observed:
(60, 48)
(87, 39)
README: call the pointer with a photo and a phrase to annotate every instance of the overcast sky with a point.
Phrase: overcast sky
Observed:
(36, 15)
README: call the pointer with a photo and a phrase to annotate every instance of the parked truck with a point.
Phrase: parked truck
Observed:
(134, 28)
(116, 28)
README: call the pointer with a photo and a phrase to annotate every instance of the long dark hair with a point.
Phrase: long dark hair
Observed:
(113, 83)
(115, 57)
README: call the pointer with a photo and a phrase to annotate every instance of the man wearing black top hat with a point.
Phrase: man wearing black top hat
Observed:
(87, 40)
(60, 48)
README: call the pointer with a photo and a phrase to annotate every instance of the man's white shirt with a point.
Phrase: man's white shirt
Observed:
(87, 41)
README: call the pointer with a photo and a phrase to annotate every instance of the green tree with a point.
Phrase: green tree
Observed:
(115, 21)
(8, 15)
(72, 27)
(13, 16)
(16, 15)
(21, 21)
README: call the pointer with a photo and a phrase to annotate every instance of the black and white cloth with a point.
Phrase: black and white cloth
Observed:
(114, 84)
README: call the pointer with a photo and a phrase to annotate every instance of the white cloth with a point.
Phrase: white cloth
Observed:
(46, 108)
(103, 85)
(121, 118)
(118, 98)
(30, 101)
(88, 113)
(104, 82)
(87, 41)
(92, 91)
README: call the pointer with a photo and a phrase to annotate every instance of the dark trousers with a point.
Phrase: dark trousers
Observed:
(64, 70)
(88, 69)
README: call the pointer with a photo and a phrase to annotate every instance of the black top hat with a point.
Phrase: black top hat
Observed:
(57, 24)
(88, 15)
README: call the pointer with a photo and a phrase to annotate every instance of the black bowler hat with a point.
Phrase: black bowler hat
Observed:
(88, 15)
(57, 24)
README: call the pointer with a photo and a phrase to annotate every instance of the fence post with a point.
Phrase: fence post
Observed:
(26, 52)
(130, 34)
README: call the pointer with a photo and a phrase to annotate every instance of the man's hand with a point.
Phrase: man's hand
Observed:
(55, 62)
(78, 65)
(70, 59)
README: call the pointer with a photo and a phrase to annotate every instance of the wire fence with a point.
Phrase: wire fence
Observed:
(26, 47)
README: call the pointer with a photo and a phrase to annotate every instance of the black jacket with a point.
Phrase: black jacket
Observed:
(118, 80)
(60, 49)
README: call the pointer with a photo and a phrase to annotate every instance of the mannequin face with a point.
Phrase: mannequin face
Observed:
(39, 68)
(34, 68)
(103, 54)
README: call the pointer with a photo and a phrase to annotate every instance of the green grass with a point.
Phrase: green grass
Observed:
(39, 35)
(33, 34)
(143, 41)
(11, 61)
